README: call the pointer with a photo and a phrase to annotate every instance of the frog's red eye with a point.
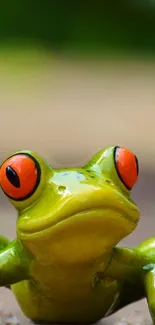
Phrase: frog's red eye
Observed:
(20, 176)
(126, 164)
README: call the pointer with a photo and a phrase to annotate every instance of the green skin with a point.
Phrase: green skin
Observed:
(64, 266)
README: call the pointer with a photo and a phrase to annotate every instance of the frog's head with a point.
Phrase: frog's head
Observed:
(74, 213)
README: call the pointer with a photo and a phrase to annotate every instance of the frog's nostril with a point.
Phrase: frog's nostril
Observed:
(108, 181)
(61, 188)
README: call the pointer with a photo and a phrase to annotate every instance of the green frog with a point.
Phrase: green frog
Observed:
(65, 265)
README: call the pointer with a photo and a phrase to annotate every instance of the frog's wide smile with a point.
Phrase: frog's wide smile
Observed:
(128, 215)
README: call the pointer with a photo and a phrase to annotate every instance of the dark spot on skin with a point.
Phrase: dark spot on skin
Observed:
(108, 181)
(90, 175)
(61, 188)
(96, 280)
(12, 177)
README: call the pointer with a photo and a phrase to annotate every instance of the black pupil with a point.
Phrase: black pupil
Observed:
(12, 177)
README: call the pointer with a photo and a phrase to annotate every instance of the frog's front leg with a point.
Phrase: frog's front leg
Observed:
(135, 269)
(14, 265)
(4, 242)
(147, 248)
(126, 266)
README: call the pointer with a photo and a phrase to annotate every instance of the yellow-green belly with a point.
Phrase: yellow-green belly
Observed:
(81, 303)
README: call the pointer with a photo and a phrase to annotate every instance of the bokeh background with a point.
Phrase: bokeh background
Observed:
(75, 78)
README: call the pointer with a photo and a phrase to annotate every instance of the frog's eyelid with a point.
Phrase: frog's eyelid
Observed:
(137, 164)
(115, 163)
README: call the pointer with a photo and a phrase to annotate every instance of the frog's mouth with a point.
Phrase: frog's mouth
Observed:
(98, 209)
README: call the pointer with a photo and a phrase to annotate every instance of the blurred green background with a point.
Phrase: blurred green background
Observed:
(98, 27)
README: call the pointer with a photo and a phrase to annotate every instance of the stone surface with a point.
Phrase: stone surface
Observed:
(8, 319)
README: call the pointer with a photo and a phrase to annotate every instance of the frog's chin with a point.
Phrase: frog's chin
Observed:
(102, 221)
